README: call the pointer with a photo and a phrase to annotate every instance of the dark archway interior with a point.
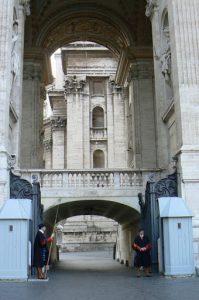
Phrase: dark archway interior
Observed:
(121, 213)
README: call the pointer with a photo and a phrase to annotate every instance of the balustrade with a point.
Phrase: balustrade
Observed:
(116, 179)
(98, 133)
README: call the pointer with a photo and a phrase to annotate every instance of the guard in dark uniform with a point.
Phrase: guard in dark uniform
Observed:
(142, 257)
(41, 250)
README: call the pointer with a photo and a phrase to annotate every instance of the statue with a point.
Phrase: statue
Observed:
(150, 6)
(14, 54)
(165, 58)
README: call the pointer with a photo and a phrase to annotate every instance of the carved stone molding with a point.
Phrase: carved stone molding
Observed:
(31, 72)
(74, 85)
(58, 123)
(47, 144)
(151, 4)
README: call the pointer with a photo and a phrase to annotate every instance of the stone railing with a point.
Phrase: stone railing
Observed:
(95, 178)
(98, 133)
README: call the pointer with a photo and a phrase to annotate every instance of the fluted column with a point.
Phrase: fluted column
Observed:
(6, 23)
(184, 24)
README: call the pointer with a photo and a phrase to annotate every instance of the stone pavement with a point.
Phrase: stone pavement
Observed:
(95, 276)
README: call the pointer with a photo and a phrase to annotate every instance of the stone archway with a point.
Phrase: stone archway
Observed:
(127, 217)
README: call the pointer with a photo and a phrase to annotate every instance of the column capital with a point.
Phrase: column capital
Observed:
(58, 123)
(73, 84)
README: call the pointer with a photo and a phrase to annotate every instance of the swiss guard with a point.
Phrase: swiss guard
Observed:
(41, 253)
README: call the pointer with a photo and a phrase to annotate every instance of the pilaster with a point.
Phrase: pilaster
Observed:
(184, 24)
(6, 22)
(74, 94)
(141, 81)
(32, 111)
(58, 148)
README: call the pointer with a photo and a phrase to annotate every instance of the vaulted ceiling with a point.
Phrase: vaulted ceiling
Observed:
(117, 22)
(120, 25)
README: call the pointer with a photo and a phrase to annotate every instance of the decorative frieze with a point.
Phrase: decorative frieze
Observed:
(74, 85)
(58, 123)
(151, 4)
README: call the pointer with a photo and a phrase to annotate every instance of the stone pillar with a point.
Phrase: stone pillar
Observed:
(110, 126)
(184, 24)
(6, 24)
(47, 144)
(17, 54)
(120, 127)
(161, 104)
(12, 18)
(59, 138)
(143, 117)
(75, 106)
(124, 246)
(32, 112)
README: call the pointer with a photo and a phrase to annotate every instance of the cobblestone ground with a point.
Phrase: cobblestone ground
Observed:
(95, 276)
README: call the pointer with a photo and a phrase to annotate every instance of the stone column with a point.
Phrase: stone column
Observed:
(58, 147)
(143, 117)
(184, 24)
(124, 246)
(6, 24)
(32, 112)
(110, 125)
(119, 129)
(17, 54)
(152, 11)
(75, 106)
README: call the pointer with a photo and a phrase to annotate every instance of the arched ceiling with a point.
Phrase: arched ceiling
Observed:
(114, 23)
(123, 214)
(120, 25)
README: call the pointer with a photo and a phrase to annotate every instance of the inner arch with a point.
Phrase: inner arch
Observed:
(123, 214)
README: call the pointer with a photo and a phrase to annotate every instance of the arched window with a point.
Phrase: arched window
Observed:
(98, 159)
(98, 117)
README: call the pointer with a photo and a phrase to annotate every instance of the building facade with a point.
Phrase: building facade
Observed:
(154, 92)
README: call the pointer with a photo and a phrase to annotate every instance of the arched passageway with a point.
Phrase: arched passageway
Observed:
(127, 217)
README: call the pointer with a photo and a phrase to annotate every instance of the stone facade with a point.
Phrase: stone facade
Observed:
(88, 122)
(84, 233)
(146, 87)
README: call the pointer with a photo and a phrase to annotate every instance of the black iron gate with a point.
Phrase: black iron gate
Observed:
(23, 189)
(166, 187)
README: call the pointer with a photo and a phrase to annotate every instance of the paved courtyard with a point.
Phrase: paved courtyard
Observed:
(95, 276)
